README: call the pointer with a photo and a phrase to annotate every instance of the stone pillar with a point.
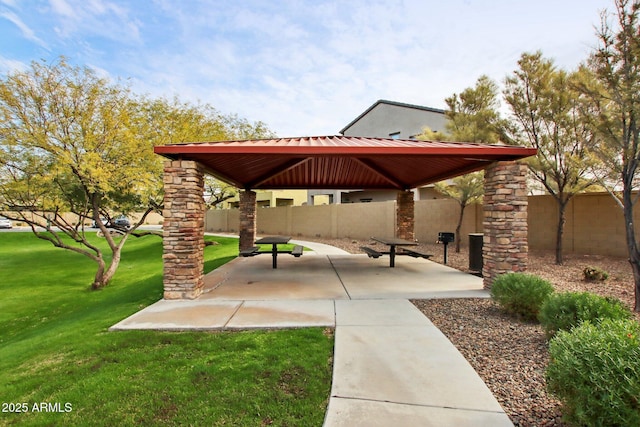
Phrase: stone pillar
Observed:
(405, 216)
(505, 248)
(247, 219)
(183, 230)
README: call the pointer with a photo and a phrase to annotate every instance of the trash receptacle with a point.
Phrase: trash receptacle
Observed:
(475, 251)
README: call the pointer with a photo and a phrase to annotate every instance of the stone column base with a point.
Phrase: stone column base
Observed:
(405, 216)
(247, 219)
(505, 248)
(183, 230)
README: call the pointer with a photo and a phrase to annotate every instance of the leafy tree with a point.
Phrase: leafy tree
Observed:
(430, 135)
(465, 189)
(472, 117)
(175, 122)
(615, 97)
(548, 115)
(75, 148)
(67, 146)
(217, 191)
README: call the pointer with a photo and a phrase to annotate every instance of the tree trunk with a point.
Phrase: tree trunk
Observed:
(113, 266)
(98, 279)
(632, 246)
(562, 205)
(459, 227)
(105, 273)
(635, 267)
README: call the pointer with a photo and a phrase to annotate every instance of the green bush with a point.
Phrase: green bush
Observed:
(595, 372)
(595, 274)
(566, 310)
(521, 294)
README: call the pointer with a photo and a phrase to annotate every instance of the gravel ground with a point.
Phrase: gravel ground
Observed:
(510, 355)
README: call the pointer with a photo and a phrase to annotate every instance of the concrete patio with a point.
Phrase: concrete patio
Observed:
(391, 364)
(247, 293)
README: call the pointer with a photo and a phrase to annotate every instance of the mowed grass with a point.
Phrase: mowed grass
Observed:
(59, 362)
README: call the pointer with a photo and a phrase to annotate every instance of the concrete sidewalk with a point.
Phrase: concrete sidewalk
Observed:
(392, 366)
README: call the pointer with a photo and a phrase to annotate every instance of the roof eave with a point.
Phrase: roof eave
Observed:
(481, 152)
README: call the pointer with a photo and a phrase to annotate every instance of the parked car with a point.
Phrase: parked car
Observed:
(122, 221)
(104, 220)
(5, 223)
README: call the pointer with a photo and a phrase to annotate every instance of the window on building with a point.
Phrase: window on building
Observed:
(394, 135)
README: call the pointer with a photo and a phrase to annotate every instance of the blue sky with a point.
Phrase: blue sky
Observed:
(304, 67)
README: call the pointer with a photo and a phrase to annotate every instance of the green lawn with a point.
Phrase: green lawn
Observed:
(55, 350)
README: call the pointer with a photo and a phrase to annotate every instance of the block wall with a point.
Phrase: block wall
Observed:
(594, 224)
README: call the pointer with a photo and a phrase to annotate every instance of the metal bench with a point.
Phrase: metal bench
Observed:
(297, 251)
(372, 253)
(250, 252)
(414, 253)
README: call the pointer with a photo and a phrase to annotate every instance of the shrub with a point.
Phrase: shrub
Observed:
(521, 294)
(595, 274)
(595, 371)
(566, 310)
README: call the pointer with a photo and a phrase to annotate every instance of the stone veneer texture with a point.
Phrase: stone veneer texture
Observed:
(505, 246)
(247, 219)
(183, 235)
(405, 215)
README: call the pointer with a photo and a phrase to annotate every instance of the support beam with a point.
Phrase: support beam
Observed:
(405, 215)
(247, 219)
(381, 173)
(277, 171)
(505, 247)
(183, 230)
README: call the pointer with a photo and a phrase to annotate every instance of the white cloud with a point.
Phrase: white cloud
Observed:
(26, 31)
(311, 66)
(61, 7)
(11, 65)
(94, 18)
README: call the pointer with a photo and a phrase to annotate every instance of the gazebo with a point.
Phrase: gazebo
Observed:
(336, 162)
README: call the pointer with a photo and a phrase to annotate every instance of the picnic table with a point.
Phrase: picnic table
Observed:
(393, 243)
(274, 241)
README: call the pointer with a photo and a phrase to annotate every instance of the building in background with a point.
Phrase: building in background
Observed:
(385, 119)
(388, 119)
(272, 198)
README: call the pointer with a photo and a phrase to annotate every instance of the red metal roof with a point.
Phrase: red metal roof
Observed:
(340, 162)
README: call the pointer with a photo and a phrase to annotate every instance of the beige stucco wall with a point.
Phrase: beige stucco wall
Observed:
(594, 222)
(222, 220)
(358, 220)
(434, 216)
(363, 220)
